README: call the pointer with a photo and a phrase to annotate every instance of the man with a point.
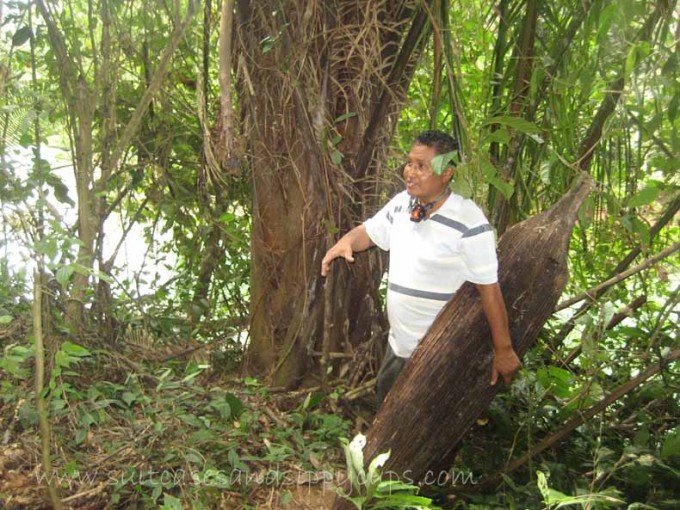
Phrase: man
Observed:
(437, 240)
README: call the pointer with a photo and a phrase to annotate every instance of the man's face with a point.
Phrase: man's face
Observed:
(421, 181)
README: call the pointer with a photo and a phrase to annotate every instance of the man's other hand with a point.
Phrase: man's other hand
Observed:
(506, 364)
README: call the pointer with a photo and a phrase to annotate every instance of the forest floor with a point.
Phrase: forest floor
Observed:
(170, 436)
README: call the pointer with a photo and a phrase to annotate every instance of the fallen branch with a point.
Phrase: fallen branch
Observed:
(359, 391)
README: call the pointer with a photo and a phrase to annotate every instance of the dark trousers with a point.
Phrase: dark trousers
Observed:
(389, 370)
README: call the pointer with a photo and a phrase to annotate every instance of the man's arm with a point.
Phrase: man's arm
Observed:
(355, 240)
(505, 361)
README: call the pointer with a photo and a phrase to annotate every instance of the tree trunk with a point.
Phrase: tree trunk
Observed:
(445, 386)
(320, 88)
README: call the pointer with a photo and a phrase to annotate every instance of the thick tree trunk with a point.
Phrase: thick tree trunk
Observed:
(445, 385)
(303, 66)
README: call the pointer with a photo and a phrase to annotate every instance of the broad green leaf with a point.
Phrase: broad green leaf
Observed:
(129, 397)
(194, 458)
(46, 247)
(557, 380)
(5, 319)
(673, 107)
(442, 161)
(500, 135)
(517, 123)
(64, 274)
(223, 408)
(644, 196)
(606, 18)
(75, 349)
(235, 404)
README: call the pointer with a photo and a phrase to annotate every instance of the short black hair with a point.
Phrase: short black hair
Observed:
(441, 142)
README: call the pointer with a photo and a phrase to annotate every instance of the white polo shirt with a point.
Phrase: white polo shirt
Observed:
(429, 261)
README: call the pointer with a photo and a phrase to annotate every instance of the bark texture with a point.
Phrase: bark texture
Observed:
(320, 86)
(445, 385)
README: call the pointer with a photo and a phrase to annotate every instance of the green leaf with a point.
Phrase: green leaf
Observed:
(517, 123)
(557, 380)
(194, 458)
(606, 18)
(491, 175)
(636, 53)
(75, 349)
(6, 319)
(46, 247)
(235, 404)
(64, 274)
(129, 397)
(13, 359)
(631, 59)
(442, 161)
(21, 36)
(501, 136)
(671, 446)
(171, 503)
(60, 189)
(345, 116)
(336, 157)
(644, 196)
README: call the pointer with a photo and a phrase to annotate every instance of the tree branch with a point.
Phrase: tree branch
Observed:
(593, 292)
(155, 85)
(627, 311)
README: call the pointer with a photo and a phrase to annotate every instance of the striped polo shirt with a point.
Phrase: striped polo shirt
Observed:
(429, 261)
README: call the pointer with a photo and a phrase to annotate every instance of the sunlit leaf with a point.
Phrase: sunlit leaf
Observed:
(644, 196)
(517, 123)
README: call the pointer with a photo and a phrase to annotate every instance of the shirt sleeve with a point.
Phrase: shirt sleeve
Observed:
(478, 249)
(379, 227)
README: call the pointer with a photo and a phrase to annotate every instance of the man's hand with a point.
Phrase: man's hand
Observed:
(355, 240)
(505, 360)
(343, 248)
(506, 363)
